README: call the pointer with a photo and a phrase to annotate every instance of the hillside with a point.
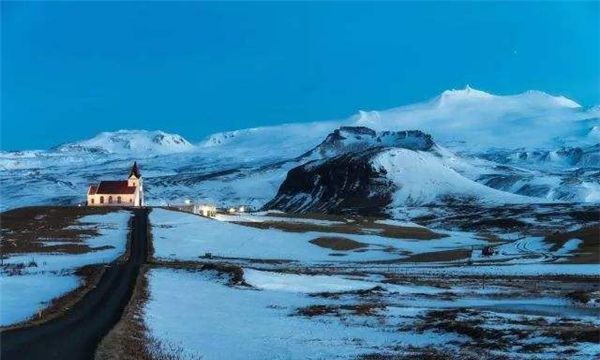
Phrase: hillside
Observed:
(531, 144)
(371, 172)
(138, 142)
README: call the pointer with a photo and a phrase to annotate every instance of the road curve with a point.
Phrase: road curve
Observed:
(77, 333)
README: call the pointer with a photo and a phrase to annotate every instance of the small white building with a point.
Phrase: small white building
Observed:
(205, 210)
(239, 209)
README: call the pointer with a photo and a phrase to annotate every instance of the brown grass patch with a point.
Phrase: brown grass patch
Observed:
(534, 348)
(569, 333)
(27, 229)
(364, 227)
(588, 251)
(317, 310)
(580, 296)
(432, 353)
(376, 290)
(566, 330)
(338, 243)
(90, 275)
(450, 321)
(439, 256)
(235, 272)
(367, 309)
(361, 309)
(314, 216)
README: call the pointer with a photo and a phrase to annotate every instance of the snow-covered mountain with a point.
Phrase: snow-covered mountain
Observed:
(473, 120)
(561, 158)
(365, 171)
(138, 142)
(531, 144)
(358, 138)
(465, 120)
(283, 141)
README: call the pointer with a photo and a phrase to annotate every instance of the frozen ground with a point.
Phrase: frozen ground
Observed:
(22, 296)
(29, 281)
(293, 316)
(182, 236)
(260, 323)
(528, 300)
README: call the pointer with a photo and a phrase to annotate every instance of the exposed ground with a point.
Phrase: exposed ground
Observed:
(76, 333)
(46, 229)
(406, 293)
(56, 244)
(337, 243)
(534, 219)
(354, 225)
(588, 250)
(415, 306)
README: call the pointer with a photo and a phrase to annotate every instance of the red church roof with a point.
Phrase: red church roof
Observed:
(115, 187)
(93, 189)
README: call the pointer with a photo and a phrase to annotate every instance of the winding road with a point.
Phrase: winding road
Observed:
(77, 333)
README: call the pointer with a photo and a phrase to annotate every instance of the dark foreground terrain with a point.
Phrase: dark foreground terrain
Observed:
(77, 333)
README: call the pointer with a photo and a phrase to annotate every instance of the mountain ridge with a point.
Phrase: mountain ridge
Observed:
(484, 143)
(135, 141)
(453, 111)
(371, 178)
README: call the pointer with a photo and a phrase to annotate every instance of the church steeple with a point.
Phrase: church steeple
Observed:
(135, 171)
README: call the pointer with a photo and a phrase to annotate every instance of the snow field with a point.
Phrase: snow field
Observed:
(24, 294)
(216, 321)
(181, 236)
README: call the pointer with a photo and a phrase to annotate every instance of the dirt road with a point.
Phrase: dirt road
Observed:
(77, 333)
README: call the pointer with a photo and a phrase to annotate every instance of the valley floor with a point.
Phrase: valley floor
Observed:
(274, 285)
(486, 283)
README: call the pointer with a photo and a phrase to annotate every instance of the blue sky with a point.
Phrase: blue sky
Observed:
(71, 70)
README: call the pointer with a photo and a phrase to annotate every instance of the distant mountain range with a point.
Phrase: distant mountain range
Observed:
(129, 142)
(463, 145)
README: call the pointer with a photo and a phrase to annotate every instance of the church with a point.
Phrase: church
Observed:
(128, 192)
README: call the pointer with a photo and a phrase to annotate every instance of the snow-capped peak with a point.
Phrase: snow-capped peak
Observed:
(142, 142)
(542, 97)
(359, 138)
(466, 94)
(534, 98)
(482, 120)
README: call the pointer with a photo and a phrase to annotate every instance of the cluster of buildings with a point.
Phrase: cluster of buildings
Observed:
(130, 192)
(208, 210)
